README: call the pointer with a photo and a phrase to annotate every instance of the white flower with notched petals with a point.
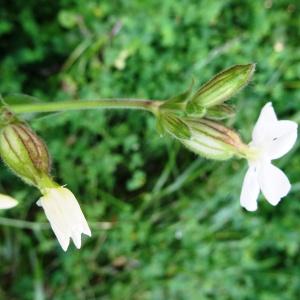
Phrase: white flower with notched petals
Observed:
(271, 139)
(65, 216)
(7, 202)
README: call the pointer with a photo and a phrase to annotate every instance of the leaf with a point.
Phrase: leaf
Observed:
(13, 99)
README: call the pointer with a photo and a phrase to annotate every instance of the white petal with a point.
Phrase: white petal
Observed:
(78, 220)
(65, 216)
(285, 136)
(273, 183)
(7, 202)
(250, 190)
(57, 221)
(76, 237)
(86, 229)
(264, 125)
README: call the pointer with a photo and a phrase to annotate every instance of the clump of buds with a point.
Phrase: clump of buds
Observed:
(191, 117)
(208, 100)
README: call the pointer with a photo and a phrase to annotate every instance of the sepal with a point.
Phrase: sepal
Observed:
(220, 112)
(193, 109)
(174, 125)
(178, 101)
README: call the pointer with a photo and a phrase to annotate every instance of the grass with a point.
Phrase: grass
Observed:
(166, 224)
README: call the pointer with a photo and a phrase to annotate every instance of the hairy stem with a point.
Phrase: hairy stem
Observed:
(141, 104)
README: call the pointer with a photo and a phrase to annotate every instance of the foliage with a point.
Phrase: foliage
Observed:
(173, 225)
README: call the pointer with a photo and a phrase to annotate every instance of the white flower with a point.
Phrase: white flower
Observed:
(7, 202)
(65, 216)
(271, 139)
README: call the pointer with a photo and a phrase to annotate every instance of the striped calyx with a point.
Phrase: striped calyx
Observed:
(24, 153)
(213, 140)
(203, 136)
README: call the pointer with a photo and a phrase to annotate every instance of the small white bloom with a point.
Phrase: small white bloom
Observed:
(65, 216)
(271, 139)
(7, 202)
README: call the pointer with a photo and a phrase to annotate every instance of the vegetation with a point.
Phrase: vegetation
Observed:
(166, 224)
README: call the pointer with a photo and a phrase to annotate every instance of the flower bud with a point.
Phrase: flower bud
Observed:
(212, 140)
(24, 152)
(223, 86)
(7, 202)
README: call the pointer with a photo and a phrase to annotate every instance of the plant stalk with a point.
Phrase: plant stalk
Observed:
(140, 104)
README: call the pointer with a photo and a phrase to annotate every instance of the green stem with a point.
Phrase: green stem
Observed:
(141, 104)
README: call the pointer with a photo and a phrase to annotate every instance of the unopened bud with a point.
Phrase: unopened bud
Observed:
(24, 152)
(7, 202)
(223, 86)
(212, 140)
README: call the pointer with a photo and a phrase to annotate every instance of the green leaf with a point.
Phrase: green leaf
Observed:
(13, 99)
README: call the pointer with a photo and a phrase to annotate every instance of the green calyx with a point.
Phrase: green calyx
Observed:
(220, 112)
(45, 183)
(223, 86)
(203, 136)
(172, 124)
(212, 139)
(24, 153)
(7, 117)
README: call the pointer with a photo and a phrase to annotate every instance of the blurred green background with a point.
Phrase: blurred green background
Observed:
(166, 224)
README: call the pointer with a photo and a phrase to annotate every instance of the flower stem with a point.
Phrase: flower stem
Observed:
(141, 104)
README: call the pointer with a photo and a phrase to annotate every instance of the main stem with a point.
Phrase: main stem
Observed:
(141, 104)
